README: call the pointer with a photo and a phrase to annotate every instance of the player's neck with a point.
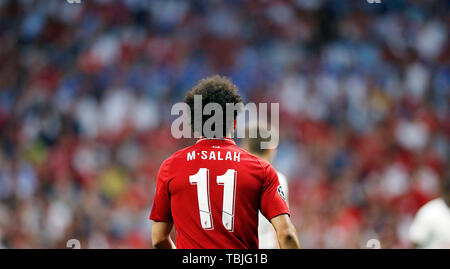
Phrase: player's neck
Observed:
(228, 136)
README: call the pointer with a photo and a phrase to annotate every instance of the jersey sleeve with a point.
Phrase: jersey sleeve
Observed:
(273, 199)
(161, 203)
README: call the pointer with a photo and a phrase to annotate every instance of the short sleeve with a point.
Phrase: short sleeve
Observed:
(273, 198)
(161, 203)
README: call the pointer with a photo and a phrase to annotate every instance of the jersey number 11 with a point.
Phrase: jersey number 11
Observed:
(228, 180)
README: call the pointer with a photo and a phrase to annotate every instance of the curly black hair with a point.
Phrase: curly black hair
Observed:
(214, 89)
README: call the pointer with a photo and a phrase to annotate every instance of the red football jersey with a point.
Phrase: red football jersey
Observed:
(212, 191)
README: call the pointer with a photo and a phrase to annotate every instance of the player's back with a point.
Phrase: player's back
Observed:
(212, 191)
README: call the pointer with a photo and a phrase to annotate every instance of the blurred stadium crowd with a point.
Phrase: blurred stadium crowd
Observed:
(86, 91)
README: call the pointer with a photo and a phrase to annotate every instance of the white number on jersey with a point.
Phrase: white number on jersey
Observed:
(228, 180)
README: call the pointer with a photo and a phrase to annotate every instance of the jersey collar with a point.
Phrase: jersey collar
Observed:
(223, 139)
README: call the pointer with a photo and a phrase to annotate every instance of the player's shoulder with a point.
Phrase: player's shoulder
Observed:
(264, 166)
(254, 158)
(432, 207)
(180, 154)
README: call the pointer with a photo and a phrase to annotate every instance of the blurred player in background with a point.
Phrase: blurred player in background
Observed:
(213, 190)
(431, 226)
(266, 234)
